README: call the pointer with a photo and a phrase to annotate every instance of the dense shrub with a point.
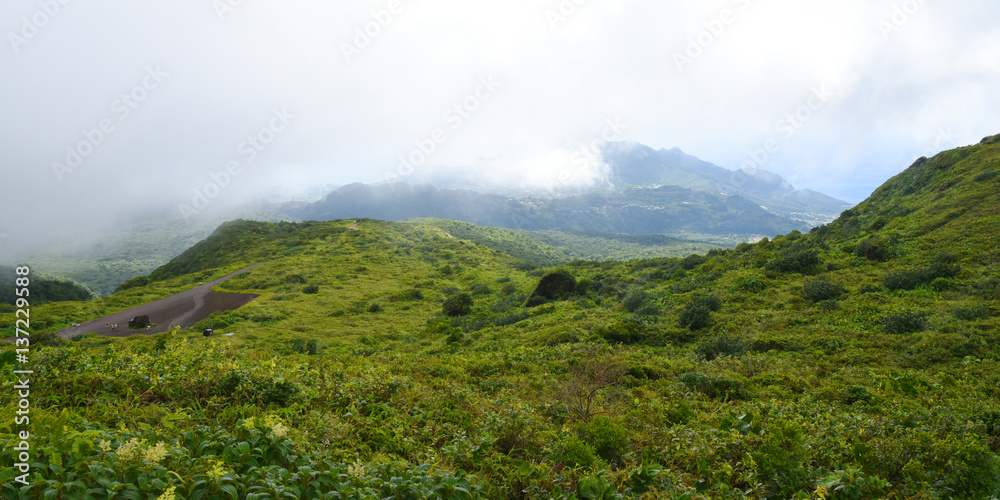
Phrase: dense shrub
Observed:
(621, 332)
(374, 308)
(818, 291)
(721, 345)
(692, 261)
(571, 451)
(710, 302)
(856, 394)
(555, 285)
(782, 459)
(450, 290)
(634, 300)
(609, 438)
(945, 265)
(905, 322)
(698, 313)
(752, 284)
(941, 284)
(971, 313)
(47, 338)
(802, 261)
(986, 176)
(695, 318)
(480, 289)
(873, 249)
(907, 279)
(311, 289)
(457, 305)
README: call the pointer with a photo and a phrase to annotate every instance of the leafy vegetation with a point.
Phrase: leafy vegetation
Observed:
(602, 392)
(42, 289)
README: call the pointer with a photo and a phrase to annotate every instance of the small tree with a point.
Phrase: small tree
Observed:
(592, 387)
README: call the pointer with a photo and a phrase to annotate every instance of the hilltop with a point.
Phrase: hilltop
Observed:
(856, 360)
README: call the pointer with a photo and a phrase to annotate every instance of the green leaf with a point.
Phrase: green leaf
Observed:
(230, 489)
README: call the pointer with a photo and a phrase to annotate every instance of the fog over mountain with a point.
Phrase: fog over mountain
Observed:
(118, 108)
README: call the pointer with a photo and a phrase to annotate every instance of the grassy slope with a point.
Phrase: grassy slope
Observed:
(549, 248)
(819, 387)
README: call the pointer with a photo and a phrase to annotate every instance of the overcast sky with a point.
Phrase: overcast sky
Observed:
(112, 106)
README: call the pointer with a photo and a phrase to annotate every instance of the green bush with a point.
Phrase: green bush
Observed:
(985, 176)
(571, 451)
(873, 249)
(456, 336)
(783, 459)
(480, 289)
(904, 322)
(721, 345)
(609, 438)
(971, 313)
(710, 302)
(508, 289)
(374, 308)
(752, 284)
(695, 318)
(450, 290)
(698, 313)
(907, 279)
(856, 394)
(311, 289)
(692, 261)
(47, 338)
(945, 265)
(802, 261)
(621, 332)
(634, 300)
(457, 305)
(554, 285)
(941, 284)
(818, 291)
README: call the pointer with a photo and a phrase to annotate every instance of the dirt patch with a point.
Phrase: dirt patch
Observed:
(183, 309)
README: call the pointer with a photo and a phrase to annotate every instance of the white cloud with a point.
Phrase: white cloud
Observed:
(937, 70)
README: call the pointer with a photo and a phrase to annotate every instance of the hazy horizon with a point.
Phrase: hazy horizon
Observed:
(120, 108)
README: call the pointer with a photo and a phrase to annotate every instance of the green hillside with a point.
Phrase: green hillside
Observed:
(549, 248)
(399, 360)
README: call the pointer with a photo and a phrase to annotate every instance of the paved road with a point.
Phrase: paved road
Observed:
(183, 309)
